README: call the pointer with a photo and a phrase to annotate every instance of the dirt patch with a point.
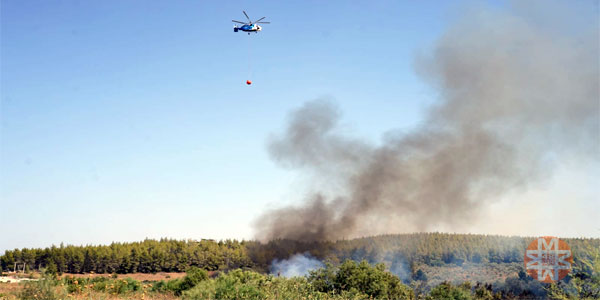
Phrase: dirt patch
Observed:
(8, 290)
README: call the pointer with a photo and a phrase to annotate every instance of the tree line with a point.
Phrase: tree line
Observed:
(169, 255)
(148, 256)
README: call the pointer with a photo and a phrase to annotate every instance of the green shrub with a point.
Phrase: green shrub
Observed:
(173, 285)
(483, 293)
(101, 284)
(96, 280)
(162, 286)
(42, 289)
(193, 276)
(123, 286)
(51, 269)
(159, 287)
(350, 281)
(236, 284)
(361, 277)
(447, 291)
(239, 284)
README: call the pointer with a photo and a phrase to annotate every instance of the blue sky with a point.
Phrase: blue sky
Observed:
(130, 119)
(122, 120)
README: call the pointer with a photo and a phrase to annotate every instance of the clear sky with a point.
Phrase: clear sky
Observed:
(122, 120)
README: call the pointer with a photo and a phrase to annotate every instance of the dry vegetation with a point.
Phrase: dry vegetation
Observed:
(488, 272)
(137, 276)
(8, 290)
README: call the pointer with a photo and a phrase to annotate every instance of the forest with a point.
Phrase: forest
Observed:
(411, 265)
(169, 255)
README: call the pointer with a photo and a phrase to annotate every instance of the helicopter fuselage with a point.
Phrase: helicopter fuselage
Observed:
(248, 28)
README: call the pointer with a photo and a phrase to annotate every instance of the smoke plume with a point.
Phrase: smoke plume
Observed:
(515, 95)
(297, 265)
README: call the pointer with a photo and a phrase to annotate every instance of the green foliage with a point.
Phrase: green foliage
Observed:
(75, 285)
(167, 255)
(555, 293)
(42, 289)
(240, 284)
(192, 278)
(167, 286)
(446, 291)
(584, 280)
(148, 256)
(51, 269)
(432, 257)
(124, 286)
(361, 277)
(324, 279)
(483, 293)
(177, 286)
(237, 284)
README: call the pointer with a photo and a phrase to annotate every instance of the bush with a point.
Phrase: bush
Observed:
(101, 284)
(42, 289)
(236, 284)
(193, 276)
(159, 287)
(72, 284)
(447, 291)
(249, 285)
(361, 277)
(51, 269)
(483, 292)
(204, 290)
(123, 286)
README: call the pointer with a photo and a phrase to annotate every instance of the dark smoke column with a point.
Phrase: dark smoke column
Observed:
(512, 93)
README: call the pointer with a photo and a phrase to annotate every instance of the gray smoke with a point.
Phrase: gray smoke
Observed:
(297, 265)
(517, 91)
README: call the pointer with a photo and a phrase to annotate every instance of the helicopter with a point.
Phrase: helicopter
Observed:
(249, 26)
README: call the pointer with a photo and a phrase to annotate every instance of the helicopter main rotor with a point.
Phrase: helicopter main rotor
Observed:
(250, 21)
